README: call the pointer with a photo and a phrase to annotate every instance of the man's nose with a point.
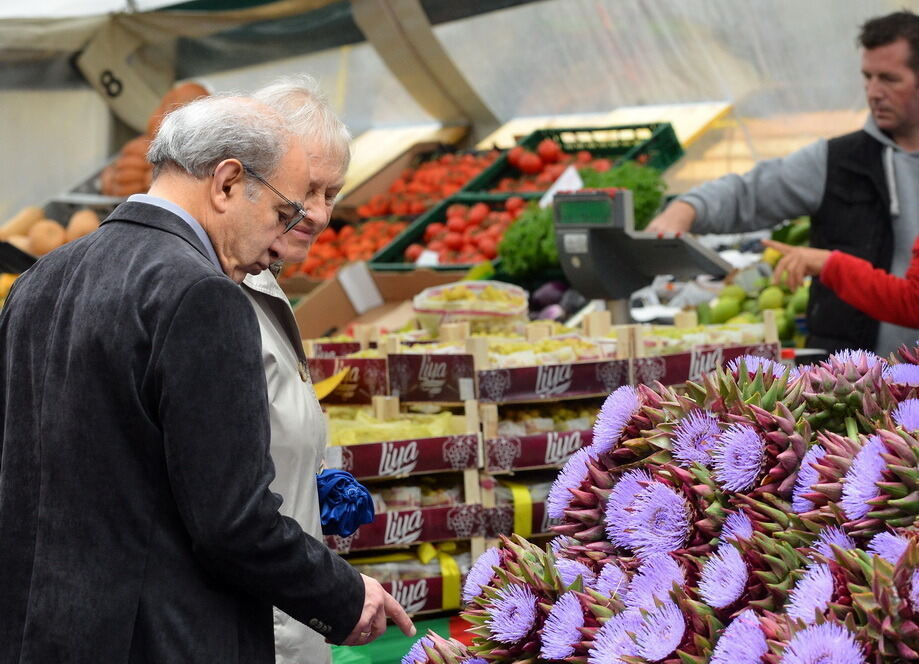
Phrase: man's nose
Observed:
(873, 88)
(279, 246)
(319, 214)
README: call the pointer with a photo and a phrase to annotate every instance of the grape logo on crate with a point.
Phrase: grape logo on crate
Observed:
(762, 350)
(403, 527)
(462, 520)
(460, 451)
(400, 378)
(649, 369)
(343, 544)
(375, 378)
(702, 361)
(611, 374)
(560, 446)
(432, 376)
(398, 459)
(347, 459)
(501, 520)
(503, 452)
(495, 383)
(413, 596)
(553, 380)
(317, 372)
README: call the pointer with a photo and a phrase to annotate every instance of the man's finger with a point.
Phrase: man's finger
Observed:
(395, 611)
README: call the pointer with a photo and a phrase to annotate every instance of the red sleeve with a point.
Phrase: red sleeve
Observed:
(879, 294)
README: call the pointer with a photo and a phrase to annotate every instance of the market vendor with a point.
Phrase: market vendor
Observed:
(860, 189)
(136, 518)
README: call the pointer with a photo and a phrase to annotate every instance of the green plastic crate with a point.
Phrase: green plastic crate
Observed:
(391, 257)
(657, 141)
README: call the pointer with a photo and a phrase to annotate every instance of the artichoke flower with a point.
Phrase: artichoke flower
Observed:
(434, 649)
(849, 385)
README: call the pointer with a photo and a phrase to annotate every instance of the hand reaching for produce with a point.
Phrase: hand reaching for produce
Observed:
(677, 218)
(797, 263)
(378, 605)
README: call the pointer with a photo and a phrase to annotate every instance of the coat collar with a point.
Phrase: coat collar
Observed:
(159, 218)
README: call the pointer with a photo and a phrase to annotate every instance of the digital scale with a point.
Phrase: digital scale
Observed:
(604, 257)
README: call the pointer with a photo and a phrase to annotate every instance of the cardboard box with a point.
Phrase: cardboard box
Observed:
(330, 309)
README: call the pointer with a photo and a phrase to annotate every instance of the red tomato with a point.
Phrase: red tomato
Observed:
(513, 156)
(457, 210)
(549, 151)
(412, 252)
(584, 157)
(530, 163)
(488, 246)
(514, 203)
(453, 241)
(432, 230)
(601, 165)
(328, 235)
(478, 213)
(456, 224)
(436, 245)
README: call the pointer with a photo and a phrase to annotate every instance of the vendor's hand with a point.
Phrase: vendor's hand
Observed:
(677, 218)
(378, 605)
(796, 263)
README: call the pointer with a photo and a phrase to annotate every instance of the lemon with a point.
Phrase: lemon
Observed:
(799, 299)
(771, 256)
(771, 298)
(733, 291)
(724, 309)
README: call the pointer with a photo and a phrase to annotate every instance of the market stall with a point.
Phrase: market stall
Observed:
(582, 441)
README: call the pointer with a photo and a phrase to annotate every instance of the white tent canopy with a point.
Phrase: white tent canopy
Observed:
(767, 58)
(57, 9)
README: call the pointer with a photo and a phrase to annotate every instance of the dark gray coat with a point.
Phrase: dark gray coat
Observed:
(136, 524)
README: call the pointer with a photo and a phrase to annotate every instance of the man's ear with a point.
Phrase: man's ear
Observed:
(226, 183)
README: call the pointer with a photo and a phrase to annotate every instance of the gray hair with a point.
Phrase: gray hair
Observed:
(306, 109)
(198, 136)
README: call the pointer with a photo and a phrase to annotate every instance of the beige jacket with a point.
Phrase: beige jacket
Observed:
(298, 438)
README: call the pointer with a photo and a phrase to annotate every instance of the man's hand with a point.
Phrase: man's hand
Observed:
(378, 605)
(796, 263)
(677, 218)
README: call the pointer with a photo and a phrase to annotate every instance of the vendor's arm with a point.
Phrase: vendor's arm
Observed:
(879, 294)
(774, 190)
(214, 413)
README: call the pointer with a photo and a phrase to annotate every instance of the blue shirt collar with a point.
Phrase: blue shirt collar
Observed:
(184, 216)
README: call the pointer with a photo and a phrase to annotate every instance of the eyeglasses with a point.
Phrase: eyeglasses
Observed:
(299, 213)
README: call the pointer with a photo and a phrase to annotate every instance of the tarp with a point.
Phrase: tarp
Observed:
(767, 58)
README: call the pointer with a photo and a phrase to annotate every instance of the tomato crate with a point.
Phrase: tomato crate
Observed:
(393, 258)
(654, 145)
(414, 182)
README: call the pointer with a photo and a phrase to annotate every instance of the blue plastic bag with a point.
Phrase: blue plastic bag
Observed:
(344, 503)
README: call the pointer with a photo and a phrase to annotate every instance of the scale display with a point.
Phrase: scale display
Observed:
(604, 257)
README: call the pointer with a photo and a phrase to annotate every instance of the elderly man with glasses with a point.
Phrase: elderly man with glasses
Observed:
(136, 519)
(298, 428)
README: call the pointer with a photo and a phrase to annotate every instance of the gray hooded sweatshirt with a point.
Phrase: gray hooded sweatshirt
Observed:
(792, 186)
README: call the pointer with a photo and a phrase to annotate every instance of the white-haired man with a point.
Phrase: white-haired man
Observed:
(298, 428)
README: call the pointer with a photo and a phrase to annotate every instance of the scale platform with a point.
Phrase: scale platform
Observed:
(604, 257)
